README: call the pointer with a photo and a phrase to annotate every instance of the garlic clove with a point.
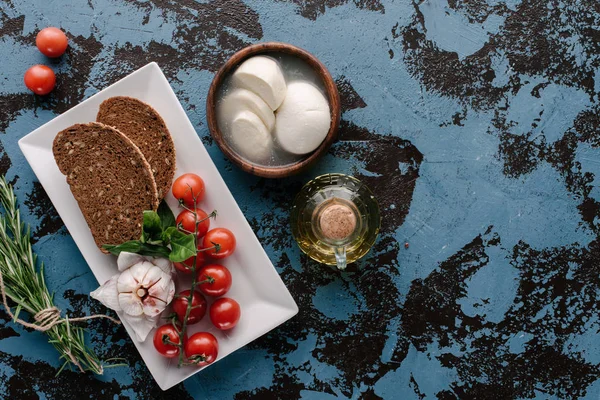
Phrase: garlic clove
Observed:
(164, 264)
(131, 303)
(127, 282)
(159, 295)
(126, 260)
(153, 306)
(141, 325)
(108, 294)
(153, 275)
(140, 270)
(164, 289)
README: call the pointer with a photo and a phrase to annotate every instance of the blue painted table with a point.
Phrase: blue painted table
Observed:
(476, 124)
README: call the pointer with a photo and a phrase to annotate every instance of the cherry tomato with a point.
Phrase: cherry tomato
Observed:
(167, 333)
(186, 266)
(52, 42)
(225, 313)
(202, 348)
(198, 307)
(186, 222)
(219, 279)
(222, 240)
(40, 79)
(187, 187)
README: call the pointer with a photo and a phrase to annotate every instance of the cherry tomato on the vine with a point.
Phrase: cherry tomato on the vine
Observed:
(164, 334)
(221, 242)
(202, 348)
(218, 280)
(40, 79)
(225, 313)
(198, 307)
(52, 42)
(187, 188)
(186, 222)
(186, 266)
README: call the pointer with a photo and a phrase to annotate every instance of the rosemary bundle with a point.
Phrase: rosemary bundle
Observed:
(24, 284)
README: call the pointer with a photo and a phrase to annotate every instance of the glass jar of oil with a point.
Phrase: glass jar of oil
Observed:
(335, 219)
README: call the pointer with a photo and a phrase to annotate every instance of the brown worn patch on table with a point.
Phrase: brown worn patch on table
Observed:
(39, 205)
(311, 9)
(349, 98)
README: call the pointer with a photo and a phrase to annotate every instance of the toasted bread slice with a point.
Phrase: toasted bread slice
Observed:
(110, 179)
(145, 127)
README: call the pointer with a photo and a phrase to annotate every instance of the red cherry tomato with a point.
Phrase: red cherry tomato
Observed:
(225, 313)
(222, 242)
(188, 187)
(198, 307)
(202, 348)
(219, 279)
(52, 42)
(186, 266)
(186, 222)
(40, 79)
(162, 335)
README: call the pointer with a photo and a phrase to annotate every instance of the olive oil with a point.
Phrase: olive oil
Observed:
(335, 219)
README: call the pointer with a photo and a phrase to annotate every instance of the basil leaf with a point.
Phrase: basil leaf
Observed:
(167, 218)
(151, 227)
(135, 246)
(169, 233)
(132, 246)
(155, 250)
(182, 246)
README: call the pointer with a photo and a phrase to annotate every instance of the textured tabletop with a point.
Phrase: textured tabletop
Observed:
(474, 122)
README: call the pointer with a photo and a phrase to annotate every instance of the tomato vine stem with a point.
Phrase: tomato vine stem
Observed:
(195, 282)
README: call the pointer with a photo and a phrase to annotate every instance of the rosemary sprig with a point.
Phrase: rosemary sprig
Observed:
(24, 284)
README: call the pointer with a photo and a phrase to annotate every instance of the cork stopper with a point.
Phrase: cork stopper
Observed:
(337, 221)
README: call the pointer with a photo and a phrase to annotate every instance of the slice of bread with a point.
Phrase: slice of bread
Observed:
(110, 179)
(145, 127)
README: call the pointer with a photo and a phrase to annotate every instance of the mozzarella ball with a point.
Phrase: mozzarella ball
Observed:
(244, 100)
(303, 119)
(250, 137)
(262, 75)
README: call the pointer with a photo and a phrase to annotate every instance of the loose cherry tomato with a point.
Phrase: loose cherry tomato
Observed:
(225, 313)
(222, 242)
(40, 79)
(202, 348)
(161, 336)
(52, 42)
(187, 188)
(186, 222)
(186, 266)
(219, 279)
(198, 307)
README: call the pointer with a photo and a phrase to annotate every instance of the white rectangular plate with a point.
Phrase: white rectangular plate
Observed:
(250, 267)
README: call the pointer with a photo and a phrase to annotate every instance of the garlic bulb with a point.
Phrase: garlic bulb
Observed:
(140, 292)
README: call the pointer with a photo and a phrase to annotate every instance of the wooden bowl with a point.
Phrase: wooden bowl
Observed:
(332, 94)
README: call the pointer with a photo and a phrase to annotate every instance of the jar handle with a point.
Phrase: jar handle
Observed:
(340, 257)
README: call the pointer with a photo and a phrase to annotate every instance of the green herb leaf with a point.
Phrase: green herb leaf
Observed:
(151, 228)
(132, 246)
(136, 246)
(169, 233)
(155, 250)
(167, 219)
(182, 246)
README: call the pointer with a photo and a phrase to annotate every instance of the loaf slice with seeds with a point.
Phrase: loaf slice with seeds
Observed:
(110, 179)
(145, 127)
